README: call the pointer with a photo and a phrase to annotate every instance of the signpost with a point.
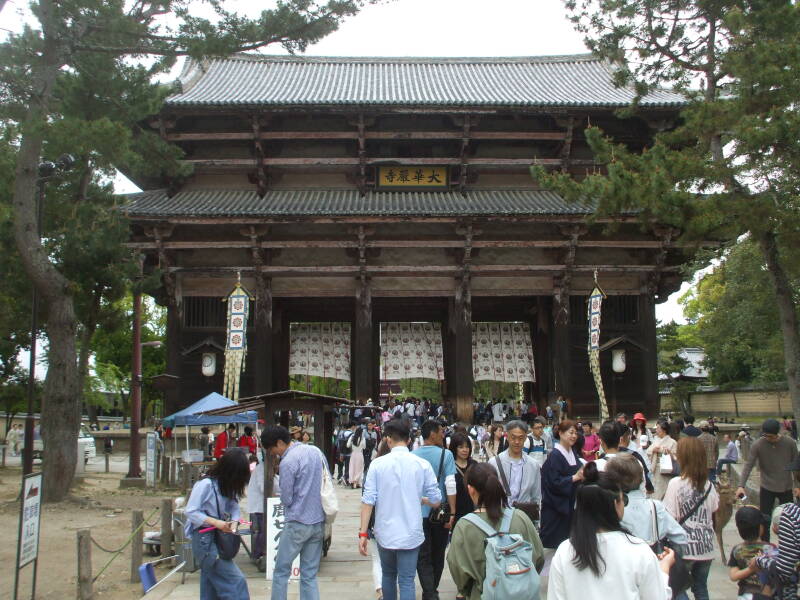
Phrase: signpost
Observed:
(28, 535)
(275, 521)
(150, 461)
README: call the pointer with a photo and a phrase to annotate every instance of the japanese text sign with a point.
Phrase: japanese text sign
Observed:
(412, 177)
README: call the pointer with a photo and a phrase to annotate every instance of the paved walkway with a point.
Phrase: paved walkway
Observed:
(344, 573)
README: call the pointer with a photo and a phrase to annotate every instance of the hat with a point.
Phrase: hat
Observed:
(639, 417)
(771, 426)
(749, 515)
(794, 465)
(704, 425)
(295, 429)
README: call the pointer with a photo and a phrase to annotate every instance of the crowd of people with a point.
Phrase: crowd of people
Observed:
(578, 506)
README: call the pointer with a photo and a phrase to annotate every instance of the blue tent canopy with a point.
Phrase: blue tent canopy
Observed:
(189, 416)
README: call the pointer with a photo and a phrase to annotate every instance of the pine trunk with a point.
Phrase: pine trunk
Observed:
(787, 312)
(60, 407)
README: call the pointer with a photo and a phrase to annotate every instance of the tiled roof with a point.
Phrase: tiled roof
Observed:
(254, 80)
(288, 203)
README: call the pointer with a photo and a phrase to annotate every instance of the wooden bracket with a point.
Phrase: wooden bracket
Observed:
(667, 236)
(362, 156)
(566, 148)
(261, 173)
(462, 176)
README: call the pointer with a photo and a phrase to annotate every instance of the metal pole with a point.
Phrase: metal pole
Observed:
(134, 470)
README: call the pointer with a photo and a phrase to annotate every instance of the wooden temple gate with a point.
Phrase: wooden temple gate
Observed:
(371, 190)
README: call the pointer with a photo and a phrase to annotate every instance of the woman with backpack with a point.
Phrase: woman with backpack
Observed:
(214, 506)
(469, 544)
(356, 443)
(600, 556)
(693, 500)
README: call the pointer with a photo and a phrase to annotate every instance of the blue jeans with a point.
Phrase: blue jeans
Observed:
(699, 570)
(219, 579)
(724, 461)
(305, 540)
(399, 568)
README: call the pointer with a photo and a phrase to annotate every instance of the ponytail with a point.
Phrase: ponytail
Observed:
(491, 495)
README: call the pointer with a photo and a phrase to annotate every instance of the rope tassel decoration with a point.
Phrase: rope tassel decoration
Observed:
(595, 306)
(236, 346)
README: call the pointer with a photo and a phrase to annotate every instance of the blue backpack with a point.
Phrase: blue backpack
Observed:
(510, 572)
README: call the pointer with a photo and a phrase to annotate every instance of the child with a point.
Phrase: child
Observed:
(778, 585)
(750, 524)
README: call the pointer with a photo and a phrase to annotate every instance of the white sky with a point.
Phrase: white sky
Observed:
(436, 28)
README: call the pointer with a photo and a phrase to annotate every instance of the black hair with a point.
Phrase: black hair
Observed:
(689, 419)
(748, 523)
(595, 510)
(429, 427)
(397, 430)
(460, 439)
(232, 472)
(248, 430)
(491, 495)
(585, 423)
(204, 430)
(273, 434)
(609, 434)
(232, 426)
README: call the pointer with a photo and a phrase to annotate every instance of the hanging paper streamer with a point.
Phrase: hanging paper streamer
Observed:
(502, 352)
(320, 350)
(412, 350)
(595, 304)
(236, 346)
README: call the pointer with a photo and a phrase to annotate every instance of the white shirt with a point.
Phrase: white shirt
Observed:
(255, 490)
(497, 412)
(631, 572)
(395, 485)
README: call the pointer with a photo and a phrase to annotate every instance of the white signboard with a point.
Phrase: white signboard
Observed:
(275, 522)
(150, 462)
(29, 530)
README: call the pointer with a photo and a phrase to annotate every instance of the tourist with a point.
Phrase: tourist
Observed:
(548, 411)
(731, 453)
(248, 440)
(377, 573)
(692, 500)
(743, 567)
(371, 439)
(591, 442)
(625, 448)
(304, 525)
(225, 440)
(461, 447)
(600, 557)
(214, 502)
(641, 436)
(640, 511)
(622, 419)
(296, 433)
(466, 558)
(772, 452)
(12, 440)
(496, 442)
(663, 456)
(345, 451)
(356, 443)
(537, 445)
(498, 411)
(255, 506)
(204, 443)
(519, 473)
(711, 447)
(561, 473)
(395, 487)
(430, 562)
(690, 430)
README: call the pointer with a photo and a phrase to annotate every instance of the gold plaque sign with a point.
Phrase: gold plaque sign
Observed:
(412, 177)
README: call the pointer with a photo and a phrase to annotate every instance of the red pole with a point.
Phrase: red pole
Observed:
(136, 386)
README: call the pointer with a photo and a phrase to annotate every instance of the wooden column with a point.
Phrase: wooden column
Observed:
(264, 381)
(363, 356)
(542, 357)
(280, 349)
(458, 358)
(561, 345)
(174, 358)
(647, 320)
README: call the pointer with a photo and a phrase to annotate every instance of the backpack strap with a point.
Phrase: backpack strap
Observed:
(480, 524)
(505, 525)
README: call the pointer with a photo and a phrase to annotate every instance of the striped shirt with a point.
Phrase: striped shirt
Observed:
(785, 564)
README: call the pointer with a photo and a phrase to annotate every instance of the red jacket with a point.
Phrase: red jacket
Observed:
(248, 441)
(220, 444)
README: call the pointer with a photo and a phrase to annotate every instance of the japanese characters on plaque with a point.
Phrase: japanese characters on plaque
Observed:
(412, 177)
(275, 521)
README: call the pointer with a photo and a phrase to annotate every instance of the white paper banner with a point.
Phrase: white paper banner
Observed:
(502, 352)
(412, 350)
(275, 523)
(321, 349)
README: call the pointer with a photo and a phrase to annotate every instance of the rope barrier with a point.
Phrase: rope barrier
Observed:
(125, 545)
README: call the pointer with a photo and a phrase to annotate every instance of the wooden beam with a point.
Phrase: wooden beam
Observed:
(354, 161)
(370, 135)
(379, 219)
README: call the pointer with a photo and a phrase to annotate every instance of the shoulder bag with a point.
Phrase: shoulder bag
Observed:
(441, 515)
(680, 576)
(227, 543)
(327, 492)
(529, 508)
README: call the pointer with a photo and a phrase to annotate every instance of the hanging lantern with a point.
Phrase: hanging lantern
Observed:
(618, 360)
(209, 364)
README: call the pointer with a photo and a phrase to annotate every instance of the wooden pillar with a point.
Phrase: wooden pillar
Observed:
(458, 357)
(647, 321)
(362, 355)
(280, 349)
(264, 383)
(542, 358)
(174, 358)
(561, 346)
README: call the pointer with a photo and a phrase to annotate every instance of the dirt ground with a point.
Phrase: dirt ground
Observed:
(96, 503)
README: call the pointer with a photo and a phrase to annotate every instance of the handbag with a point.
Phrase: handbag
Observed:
(680, 576)
(666, 464)
(327, 493)
(529, 508)
(441, 515)
(227, 543)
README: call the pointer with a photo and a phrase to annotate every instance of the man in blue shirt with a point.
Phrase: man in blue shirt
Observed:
(304, 529)
(396, 484)
(430, 562)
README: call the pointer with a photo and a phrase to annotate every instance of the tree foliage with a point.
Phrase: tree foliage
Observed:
(731, 165)
(81, 80)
